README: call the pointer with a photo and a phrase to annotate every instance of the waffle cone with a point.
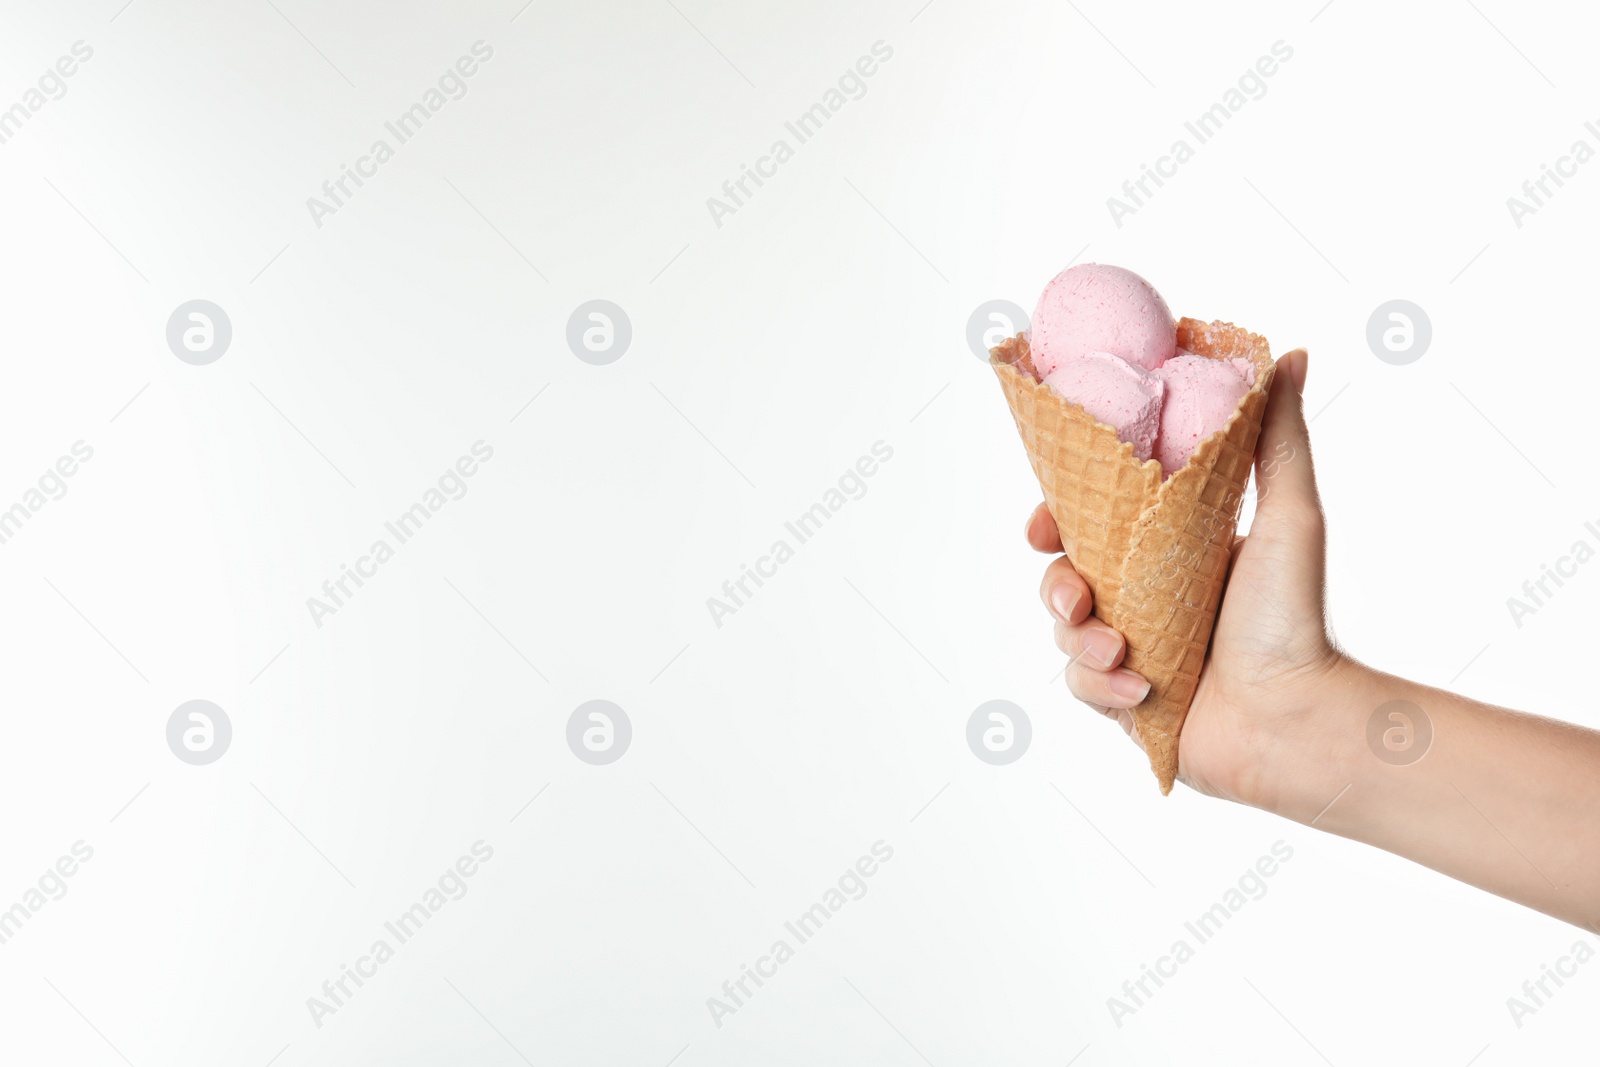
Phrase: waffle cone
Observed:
(1155, 553)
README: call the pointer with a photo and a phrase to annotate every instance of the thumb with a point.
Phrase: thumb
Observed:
(1286, 484)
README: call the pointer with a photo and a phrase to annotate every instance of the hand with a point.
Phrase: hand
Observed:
(1270, 650)
(1503, 800)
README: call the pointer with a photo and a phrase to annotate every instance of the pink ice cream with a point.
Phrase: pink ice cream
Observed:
(1097, 308)
(1119, 394)
(1201, 394)
(1104, 339)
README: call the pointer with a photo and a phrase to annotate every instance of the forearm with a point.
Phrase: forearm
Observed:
(1505, 801)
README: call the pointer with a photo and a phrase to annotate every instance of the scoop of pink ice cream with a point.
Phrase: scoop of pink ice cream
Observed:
(1098, 308)
(1124, 397)
(1201, 395)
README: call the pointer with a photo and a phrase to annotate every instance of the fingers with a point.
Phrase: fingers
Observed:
(1286, 484)
(1119, 689)
(1289, 523)
(1064, 592)
(1095, 649)
(1041, 531)
(1097, 645)
(1093, 674)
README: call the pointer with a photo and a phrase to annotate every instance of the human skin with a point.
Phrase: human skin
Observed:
(1500, 799)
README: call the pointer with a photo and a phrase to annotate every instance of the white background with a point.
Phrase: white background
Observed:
(768, 354)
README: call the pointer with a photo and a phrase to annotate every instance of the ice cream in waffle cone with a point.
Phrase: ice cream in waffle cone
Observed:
(1153, 550)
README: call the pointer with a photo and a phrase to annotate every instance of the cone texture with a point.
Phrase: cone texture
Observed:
(1155, 553)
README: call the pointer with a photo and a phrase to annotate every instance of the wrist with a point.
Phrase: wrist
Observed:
(1315, 744)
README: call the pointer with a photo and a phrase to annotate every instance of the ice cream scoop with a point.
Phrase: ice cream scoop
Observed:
(1093, 307)
(1201, 394)
(1125, 397)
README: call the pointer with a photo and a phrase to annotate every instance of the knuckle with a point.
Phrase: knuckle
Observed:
(1064, 638)
(1085, 684)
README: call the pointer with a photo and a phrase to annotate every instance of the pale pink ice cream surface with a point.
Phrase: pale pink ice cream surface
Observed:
(1098, 308)
(1201, 394)
(1104, 339)
(1124, 397)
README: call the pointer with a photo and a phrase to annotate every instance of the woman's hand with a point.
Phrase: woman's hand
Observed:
(1270, 650)
(1283, 720)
